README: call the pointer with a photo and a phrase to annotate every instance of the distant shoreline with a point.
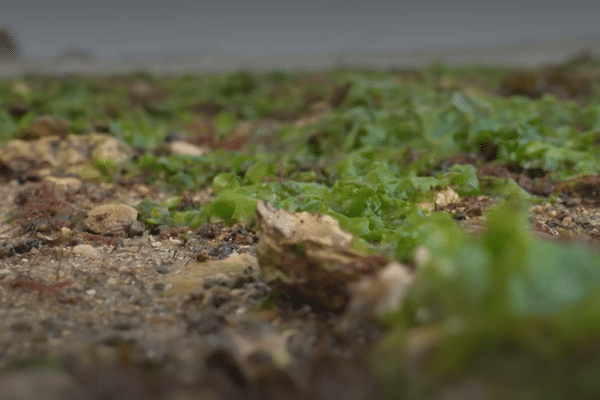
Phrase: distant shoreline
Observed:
(527, 55)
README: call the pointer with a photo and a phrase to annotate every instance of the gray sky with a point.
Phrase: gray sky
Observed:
(114, 29)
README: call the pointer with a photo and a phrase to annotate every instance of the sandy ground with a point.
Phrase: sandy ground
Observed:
(532, 54)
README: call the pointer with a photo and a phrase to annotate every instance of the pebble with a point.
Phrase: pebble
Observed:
(181, 147)
(573, 201)
(566, 221)
(68, 183)
(136, 229)
(71, 155)
(88, 251)
(111, 219)
(219, 299)
(537, 209)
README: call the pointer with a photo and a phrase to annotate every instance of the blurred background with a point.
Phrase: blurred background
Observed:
(183, 35)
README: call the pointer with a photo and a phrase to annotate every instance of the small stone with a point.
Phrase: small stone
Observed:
(44, 126)
(194, 274)
(111, 219)
(142, 189)
(185, 148)
(108, 148)
(67, 184)
(21, 88)
(68, 153)
(163, 270)
(125, 325)
(537, 209)
(219, 299)
(239, 282)
(310, 253)
(567, 221)
(88, 251)
(141, 93)
(209, 324)
(384, 292)
(136, 229)
(51, 326)
(21, 326)
(446, 197)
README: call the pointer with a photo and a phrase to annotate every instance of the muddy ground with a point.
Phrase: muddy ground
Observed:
(130, 318)
(172, 313)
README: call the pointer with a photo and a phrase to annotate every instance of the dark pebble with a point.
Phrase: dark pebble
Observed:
(207, 325)
(126, 325)
(159, 229)
(212, 282)
(21, 326)
(163, 270)
(209, 231)
(261, 289)
(223, 250)
(239, 282)
(260, 358)
(218, 299)
(136, 229)
(208, 283)
(142, 302)
(51, 326)
(116, 340)
(224, 373)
